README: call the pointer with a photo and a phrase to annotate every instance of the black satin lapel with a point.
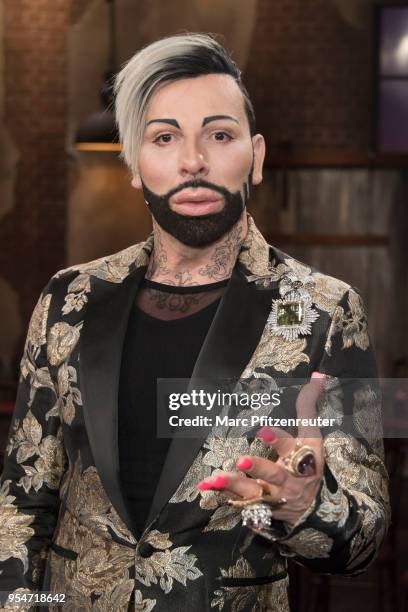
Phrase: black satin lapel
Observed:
(232, 338)
(101, 347)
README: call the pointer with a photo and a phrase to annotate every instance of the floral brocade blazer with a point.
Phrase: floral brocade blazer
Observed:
(65, 525)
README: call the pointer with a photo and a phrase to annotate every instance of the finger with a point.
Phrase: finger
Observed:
(236, 485)
(233, 483)
(214, 483)
(306, 408)
(258, 467)
(280, 439)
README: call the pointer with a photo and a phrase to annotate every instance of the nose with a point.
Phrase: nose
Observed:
(193, 160)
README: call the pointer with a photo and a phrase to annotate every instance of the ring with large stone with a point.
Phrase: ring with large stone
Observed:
(301, 461)
(257, 516)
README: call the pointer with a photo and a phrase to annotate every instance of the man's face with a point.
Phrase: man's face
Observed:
(197, 158)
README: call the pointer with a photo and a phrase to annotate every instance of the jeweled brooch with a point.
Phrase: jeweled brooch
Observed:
(292, 315)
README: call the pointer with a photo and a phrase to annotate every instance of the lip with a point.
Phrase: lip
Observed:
(196, 195)
(198, 208)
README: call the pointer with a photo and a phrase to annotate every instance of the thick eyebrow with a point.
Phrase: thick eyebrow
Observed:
(169, 121)
(206, 120)
(217, 117)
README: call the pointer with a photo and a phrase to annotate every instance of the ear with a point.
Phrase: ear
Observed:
(258, 144)
(136, 181)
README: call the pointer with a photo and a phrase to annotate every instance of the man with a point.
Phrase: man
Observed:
(94, 504)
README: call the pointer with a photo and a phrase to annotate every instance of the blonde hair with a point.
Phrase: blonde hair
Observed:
(169, 59)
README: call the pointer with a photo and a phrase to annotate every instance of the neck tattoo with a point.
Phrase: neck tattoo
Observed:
(219, 261)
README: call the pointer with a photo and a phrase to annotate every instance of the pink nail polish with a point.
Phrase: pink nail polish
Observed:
(266, 434)
(203, 486)
(244, 464)
(220, 482)
(321, 378)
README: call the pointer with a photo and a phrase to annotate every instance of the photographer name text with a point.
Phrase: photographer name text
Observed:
(253, 420)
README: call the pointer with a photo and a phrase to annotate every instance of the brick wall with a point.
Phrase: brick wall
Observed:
(310, 76)
(32, 236)
(78, 7)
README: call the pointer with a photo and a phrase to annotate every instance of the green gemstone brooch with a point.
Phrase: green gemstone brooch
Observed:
(292, 315)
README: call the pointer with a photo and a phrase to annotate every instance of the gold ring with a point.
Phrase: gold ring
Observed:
(262, 497)
(301, 461)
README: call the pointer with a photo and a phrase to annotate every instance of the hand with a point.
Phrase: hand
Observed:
(298, 491)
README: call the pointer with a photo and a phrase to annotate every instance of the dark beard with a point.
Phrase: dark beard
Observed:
(197, 231)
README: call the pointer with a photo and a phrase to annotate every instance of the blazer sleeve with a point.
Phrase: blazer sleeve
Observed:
(34, 462)
(342, 530)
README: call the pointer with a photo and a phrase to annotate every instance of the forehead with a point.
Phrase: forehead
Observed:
(208, 94)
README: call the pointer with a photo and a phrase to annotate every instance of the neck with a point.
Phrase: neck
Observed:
(174, 263)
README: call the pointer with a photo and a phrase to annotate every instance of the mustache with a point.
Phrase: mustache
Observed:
(195, 183)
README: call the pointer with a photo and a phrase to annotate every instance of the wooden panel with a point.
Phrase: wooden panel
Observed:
(328, 240)
(332, 158)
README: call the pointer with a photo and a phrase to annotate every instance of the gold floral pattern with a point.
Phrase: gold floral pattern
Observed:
(112, 269)
(165, 566)
(224, 517)
(352, 323)
(327, 291)
(86, 500)
(27, 439)
(15, 528)
(333, 507)
(77, 296)
(49, 466)
(354, 467)
(38, 377)
(223, 453)
(62, 340)
(69, 395)
(311, 544)
(278, 353)
(300, 271)
(98, 569)
(254, 253)
(143, 605)
(187, 491)
(85, 526)
(257, 598)
(116, 599)
(36, 335)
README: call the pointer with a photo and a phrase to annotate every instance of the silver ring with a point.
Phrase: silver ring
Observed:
(257, 516)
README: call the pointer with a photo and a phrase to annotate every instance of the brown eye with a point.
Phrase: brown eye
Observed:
(163, 138)
(222, 136)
